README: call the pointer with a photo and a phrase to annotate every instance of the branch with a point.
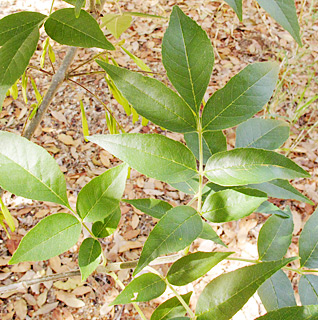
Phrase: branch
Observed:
(57, 81)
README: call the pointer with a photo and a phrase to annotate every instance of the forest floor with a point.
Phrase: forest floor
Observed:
(236, 44)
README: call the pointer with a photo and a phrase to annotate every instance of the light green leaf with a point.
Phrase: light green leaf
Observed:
(284, 12)
(89, 256)
(277, 292)
(230, 205)
(224, 296)
(281, 189)
(269, 208)
(249, 166)
(209, 234)
(237, 7)
(15, 55)
(187, 55)
(138, 61)
(275, 237)
(243, 96)
(79, 4)
(308, 289)
(103, 229)
(7, 215)
(171, 308)
(144, 288)
(63, 27)
(308, 243)
(292, 313)
(50, 237)
(116, 24)
(194, 266)
(178, 228)
(191, 186)
(29, 171)
(262, 134)
(102, 194)
(84, 121)
(213, 142)
(151, 154)
(17, 23)
(154, 207)
(152, 99)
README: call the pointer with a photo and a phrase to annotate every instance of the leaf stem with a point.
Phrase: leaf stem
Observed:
(51, 9)
(201, 172)
(243, 260)
(87, 61)
(122, 286)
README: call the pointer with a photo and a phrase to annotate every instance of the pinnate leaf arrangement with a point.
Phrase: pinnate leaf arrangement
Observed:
(226, 185)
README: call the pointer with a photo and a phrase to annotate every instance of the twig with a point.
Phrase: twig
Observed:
(57, 81)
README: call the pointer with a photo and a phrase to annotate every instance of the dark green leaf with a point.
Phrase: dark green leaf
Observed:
(63, 27)
(277, 292)
(281, 189)
(103, 229)
(152, 99)
(284, 12)
(144, 288)
(50, 237)
(237, 7)
(17, 23)
(292, 313)
(230, 205)
(151, 154)
(275, 237)
(89, 256)
(224, 296)
(243, 96)
(187, 55)
(262, 134)
(14, 58)
(248, 165)
(308, 289)
(154, 207)
(178, 228)
(213, 142)
(308, 242)
(29, 171)
(194, 266)
(102, 194)
(171, 308)
(116, 24)
(209, 234)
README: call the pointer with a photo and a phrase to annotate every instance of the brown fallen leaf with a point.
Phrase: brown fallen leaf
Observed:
(46, 309)
(21, 267)
(20, 308)
(42, 298)
(134, 221)
(69, 299)
(70, 284)
(67, 140)
(131, 234)
(59, 116)
(80, 291)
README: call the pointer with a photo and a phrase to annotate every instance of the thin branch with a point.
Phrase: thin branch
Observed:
(57, 81)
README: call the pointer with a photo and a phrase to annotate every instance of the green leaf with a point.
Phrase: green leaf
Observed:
(50, 237)
(89, 256)
(138, 61)
(143, 15)
(152, 99)
(281, 189)
(230, 205)
(237, 7)
(292, 313)
(63, 27)
(275, 237)
(190, 186)
(7, 216)
(116, 24)
(277, 292)
(144, 288)
(243, 96)
(171, 308)
(213, 142)
(154, 155)
(154, 207)
(308, 289)
(14, 58)
(308, 243)
(194, 266)
(249, 166)
(29, 171)
(209, 234)
(101, 196)
(224, 296)
(84, 121)
(269, 208)
(262, 134)
(17, 23)
(187, 55)
(178, 228)
(79, 4)
(284, 12)
(103, 229)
